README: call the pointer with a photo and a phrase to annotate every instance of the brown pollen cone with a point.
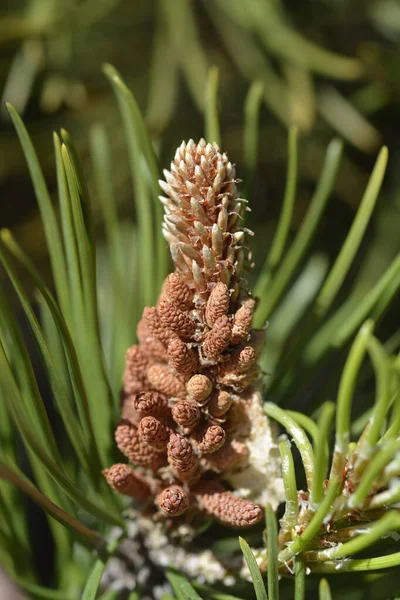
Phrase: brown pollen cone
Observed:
(199, 388)
(220, 403)
(163, 379)
(226, 507)
(183, 359)
(210, 440)
(151, 403)
(173, 501)
(229, 457)
(137, 362)
(182, 458)
(174, 318)
(124, 480)
(126, 436)
(138, 451)
(186, 414)
(153, 323)
(217, 304)
(218, 338)
(178, 292)
(153, 432)
(152, 346)
(241, 325)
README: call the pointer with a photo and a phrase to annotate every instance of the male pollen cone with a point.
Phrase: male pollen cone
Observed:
(124, 480)
(173, 501)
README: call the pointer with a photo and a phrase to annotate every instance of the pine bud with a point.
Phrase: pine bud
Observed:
(205, 175)
(197, 354)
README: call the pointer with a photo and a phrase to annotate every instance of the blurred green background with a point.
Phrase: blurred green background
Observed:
(330, 67)
(327, 66)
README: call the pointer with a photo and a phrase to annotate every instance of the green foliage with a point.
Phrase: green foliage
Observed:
(256, 577)
(361, 472)
(93, 582)
(89, 320)
(181, 586)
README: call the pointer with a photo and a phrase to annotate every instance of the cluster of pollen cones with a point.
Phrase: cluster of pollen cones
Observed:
(191, 409)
